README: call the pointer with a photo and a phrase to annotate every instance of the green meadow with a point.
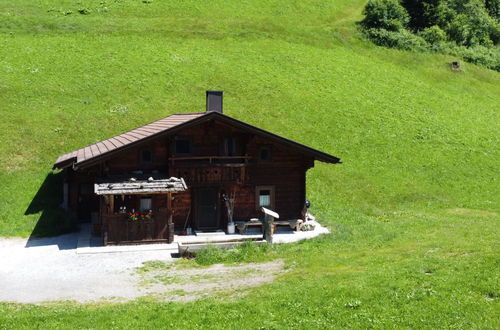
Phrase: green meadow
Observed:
(413, 209)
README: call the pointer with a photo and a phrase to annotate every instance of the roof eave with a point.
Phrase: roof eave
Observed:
(92, 161)
(316, 154)
(64, 164)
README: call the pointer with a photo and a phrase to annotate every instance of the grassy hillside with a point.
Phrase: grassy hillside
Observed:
(418, 188)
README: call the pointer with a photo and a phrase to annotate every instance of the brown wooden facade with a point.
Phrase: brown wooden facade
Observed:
(215, 155)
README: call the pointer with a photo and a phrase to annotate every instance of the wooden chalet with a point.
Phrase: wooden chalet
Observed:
(178, 171)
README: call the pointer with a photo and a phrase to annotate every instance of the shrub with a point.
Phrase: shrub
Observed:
(426, 13)
(472, 26)
(385, 14)
(488, 57)
(448, 26)
(401, 39)
(493, 8)
(433, 35)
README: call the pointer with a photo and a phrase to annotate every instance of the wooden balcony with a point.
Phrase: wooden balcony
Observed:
(208, 160)
(209, 169)
(228, 173)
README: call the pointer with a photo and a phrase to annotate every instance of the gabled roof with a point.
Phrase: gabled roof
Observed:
(93, 153)
(123, 140)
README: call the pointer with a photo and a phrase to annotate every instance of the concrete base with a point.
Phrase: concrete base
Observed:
(88, 244)
(209, 233)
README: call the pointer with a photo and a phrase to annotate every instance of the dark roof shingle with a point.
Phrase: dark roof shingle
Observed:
(103, 147)
(95, 151)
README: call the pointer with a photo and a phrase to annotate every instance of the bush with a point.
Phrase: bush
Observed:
(488, 57)
(466, 28)
(493, 8)
(385, 14)
(433, 35)
(401, 39)
(472, 26)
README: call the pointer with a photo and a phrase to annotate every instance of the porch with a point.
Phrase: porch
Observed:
(89, 244)
(137, 211)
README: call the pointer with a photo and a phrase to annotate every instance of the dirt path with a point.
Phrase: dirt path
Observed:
(50, 270)
(178, 284)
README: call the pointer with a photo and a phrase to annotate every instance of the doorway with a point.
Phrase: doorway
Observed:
(207, 211)
(88, 202)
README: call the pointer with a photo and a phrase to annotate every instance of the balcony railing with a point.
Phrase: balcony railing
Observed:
(209, 169)
(200, 160)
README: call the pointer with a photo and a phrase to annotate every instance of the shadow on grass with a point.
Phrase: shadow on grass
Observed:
(53, 219)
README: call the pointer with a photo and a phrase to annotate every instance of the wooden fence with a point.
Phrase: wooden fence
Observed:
(120, 230)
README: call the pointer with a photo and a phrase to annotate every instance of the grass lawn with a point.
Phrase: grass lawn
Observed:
(413, 209)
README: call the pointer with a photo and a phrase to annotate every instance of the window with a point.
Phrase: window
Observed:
(146, 156)
(264, 197)
(229, 146)
(182, 146)
(124, 203)
(265, 154)
(146, 204)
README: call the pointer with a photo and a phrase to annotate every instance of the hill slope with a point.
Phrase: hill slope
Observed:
(419, 143)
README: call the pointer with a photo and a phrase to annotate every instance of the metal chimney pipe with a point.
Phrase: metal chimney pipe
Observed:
(214, 101)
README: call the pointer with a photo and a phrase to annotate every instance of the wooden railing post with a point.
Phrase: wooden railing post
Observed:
(170, 223)
(170, 226)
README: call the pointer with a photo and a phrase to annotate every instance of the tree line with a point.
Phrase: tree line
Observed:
(469, 29)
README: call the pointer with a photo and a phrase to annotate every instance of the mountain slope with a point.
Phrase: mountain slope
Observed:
(419, 145)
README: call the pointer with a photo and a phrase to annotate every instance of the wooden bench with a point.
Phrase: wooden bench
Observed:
(293, 224)
(243, 225)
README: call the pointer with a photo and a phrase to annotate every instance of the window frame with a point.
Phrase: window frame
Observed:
(141, 159)
(189, 139)
(146, 197)
(272, 196)
(270, 153)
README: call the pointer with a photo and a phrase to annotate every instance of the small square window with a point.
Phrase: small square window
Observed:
(265, 154)
(146, 203)
(182, 146)
(146, 156)
(229, 146)
(264, 197)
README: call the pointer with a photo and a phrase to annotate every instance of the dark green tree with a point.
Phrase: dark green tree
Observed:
(385, 14)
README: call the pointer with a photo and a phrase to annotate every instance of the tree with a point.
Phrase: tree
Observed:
(385, 14)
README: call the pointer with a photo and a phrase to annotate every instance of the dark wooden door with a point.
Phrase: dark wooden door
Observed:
(88, 202)
(207, 216)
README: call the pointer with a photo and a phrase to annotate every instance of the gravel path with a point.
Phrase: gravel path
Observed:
(49, 269)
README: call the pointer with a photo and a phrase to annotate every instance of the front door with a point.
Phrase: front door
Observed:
(206, 208)
(88, 202)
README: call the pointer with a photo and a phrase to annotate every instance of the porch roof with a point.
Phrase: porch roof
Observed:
(132, 187)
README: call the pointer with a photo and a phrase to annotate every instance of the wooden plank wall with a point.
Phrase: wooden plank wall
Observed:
(286, 172)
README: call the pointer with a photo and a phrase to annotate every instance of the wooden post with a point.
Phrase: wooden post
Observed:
(268, 229)
(170, 224)
(269, 217)
(169, 201)
(111, 206)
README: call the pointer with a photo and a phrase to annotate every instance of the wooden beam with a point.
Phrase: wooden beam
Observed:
(169, 202)
(111, 204)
